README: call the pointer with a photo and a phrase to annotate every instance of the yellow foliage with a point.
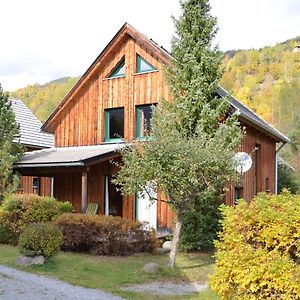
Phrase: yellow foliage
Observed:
(258, 254)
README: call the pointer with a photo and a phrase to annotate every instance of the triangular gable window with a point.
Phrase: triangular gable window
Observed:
(119, 70)
(142, 66)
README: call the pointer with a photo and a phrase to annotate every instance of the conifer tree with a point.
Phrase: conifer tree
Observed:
(9, 151)
(189, 154)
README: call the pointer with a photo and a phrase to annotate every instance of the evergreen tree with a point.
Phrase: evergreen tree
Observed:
(189, 154)
(9, 151)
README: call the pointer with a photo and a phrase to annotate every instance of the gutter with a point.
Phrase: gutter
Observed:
(276, 166)
(50, 165)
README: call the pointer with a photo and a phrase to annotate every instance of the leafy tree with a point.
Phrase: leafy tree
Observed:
(9, 152)
(189, 154)
(287, 179)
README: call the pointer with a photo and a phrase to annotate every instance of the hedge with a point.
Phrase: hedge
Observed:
(104, 235)
(258, 254)
(17, 211)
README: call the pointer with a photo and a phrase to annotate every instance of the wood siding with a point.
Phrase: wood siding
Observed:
(26, 186)
(26, 183)
(266, 166)
(83, 120)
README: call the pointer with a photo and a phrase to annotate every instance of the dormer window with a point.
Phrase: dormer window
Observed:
(119, 70)
(142, 66)
(114, 124)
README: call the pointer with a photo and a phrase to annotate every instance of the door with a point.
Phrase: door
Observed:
(113, 199)
(146, 209)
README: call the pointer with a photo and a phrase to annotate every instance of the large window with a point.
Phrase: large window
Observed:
(114, 124)
(143, 117)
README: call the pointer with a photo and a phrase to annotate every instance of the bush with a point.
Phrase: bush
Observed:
(40, 239)
(258, 255)
(19, 210)
(201, 224)
(104, 235)
(5, 234)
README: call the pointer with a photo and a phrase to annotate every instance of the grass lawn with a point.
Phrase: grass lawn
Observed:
(113, 273)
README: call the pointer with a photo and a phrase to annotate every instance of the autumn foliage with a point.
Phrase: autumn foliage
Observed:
(258, 254)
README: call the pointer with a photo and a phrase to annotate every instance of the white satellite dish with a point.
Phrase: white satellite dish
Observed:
(243, 162)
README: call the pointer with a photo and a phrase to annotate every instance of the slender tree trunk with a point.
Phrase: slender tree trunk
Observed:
(172, 256)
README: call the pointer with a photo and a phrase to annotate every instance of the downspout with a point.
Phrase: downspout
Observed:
(276, 167)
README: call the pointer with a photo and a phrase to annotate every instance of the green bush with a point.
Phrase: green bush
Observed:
(104, 235)
(19, 210)
(201, 224)
(5, 234)
(258, 255)
(40, 239)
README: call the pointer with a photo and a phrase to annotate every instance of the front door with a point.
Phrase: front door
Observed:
(146, 209)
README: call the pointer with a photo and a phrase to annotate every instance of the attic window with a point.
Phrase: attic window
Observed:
(119, 70)
(142, 66)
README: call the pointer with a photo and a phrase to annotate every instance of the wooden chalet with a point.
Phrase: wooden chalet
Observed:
(32, 138)
(112, 101)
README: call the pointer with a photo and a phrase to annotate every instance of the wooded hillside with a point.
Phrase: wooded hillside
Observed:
(267, 80)
(42, 99)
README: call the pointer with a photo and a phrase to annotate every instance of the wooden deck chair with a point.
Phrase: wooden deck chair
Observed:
(92, 209)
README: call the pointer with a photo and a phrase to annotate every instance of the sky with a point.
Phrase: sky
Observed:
(44, 40)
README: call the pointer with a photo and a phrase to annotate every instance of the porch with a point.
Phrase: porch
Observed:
(83, 175)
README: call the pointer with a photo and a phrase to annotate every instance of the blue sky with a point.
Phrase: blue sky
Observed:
(49, 39)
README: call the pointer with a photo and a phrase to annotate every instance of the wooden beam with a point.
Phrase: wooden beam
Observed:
(84, 191)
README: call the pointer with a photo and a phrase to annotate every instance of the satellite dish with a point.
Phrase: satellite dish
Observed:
(243, 162)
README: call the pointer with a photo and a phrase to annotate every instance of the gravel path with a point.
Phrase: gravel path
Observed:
(168, 288)
(17, 285)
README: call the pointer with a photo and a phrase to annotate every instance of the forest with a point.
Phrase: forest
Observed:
(267, 80)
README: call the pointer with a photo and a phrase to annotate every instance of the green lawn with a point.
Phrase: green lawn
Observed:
(113, 273)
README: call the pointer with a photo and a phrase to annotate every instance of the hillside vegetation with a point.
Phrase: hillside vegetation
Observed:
(267, 80)
(42, 99)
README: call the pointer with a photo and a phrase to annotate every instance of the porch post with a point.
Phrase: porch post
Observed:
(84, 191)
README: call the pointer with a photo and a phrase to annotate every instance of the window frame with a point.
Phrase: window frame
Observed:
(119, 65)
(139, 59)
(107, 125)
(138, 120)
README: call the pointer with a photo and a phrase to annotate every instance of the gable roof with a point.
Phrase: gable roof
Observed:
(249, 115)
(126, 29)
(245, 113)
(30, 127)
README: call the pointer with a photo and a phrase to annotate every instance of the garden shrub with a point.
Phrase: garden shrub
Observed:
(104, 235)
(19, 210)
(201, 224)
(40, 239)
(258, 254)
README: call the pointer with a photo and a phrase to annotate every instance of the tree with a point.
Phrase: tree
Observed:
(189, 151)
(287, 179)
(9, 151)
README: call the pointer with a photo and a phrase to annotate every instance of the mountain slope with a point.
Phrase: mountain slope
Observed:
(42, 99)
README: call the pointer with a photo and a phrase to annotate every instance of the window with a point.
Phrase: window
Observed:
(35, 183)
(119, 70)
(113, 199)
(114, 124)
(238, 194)
(143, 117)
(142, 66)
